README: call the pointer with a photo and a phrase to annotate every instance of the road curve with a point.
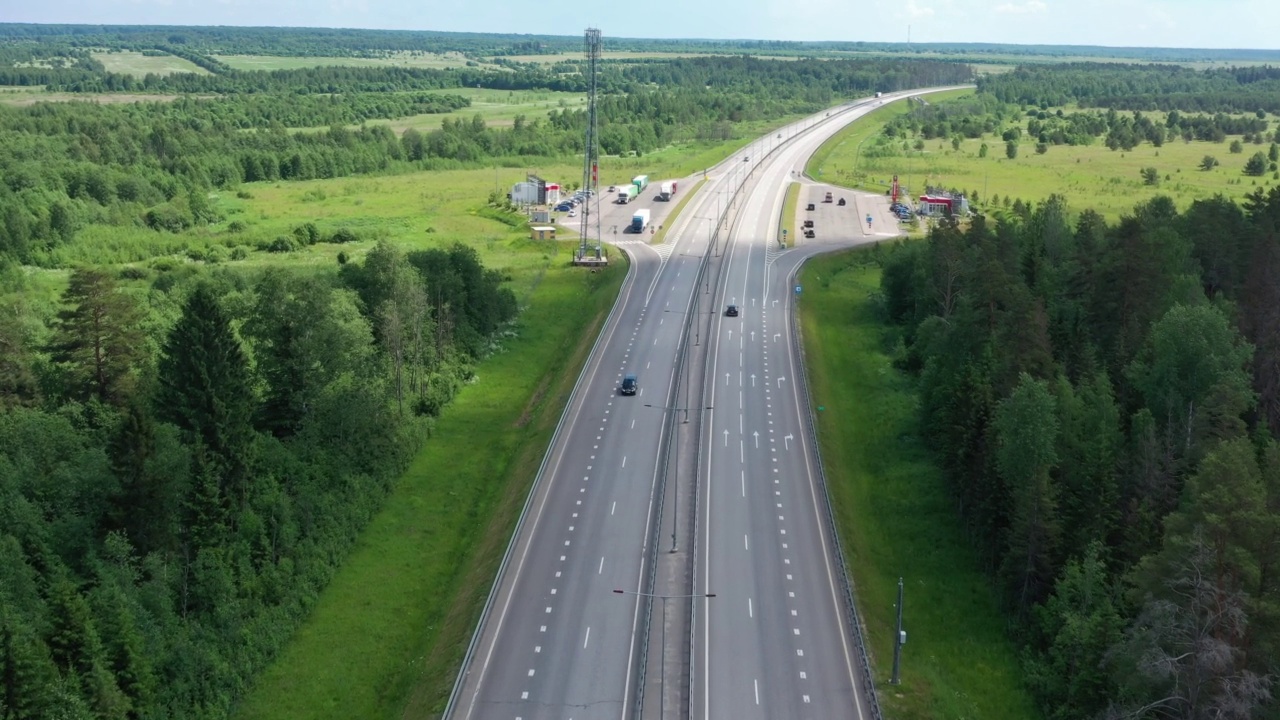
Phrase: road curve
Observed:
(556, 640)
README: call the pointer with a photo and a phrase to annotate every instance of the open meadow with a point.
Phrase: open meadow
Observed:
(391, 59)
(1088, 176)
(136, 64)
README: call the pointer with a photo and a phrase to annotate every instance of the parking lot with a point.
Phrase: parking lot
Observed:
(848, 222)
(615, 218)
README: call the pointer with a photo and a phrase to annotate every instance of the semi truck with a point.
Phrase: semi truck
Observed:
(667, 190)
(627, 194)
(640, 181)
(640, 220)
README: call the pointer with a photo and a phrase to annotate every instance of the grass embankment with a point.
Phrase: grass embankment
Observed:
(835, 159)
(895, 516)
(787, 221)
(660, 236)
(1088, 176)
(387, 636)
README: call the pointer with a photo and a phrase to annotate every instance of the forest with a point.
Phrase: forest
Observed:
(184, 465)
(1139, 87)
(69, 165)
(1104, 400)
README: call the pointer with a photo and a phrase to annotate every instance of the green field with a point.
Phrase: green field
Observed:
(137, 64)
(1088, 176)
(895, 516)
(497, 107)
(399, 59)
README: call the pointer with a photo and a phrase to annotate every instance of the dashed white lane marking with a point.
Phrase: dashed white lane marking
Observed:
(530, 672)
(745, 545)
(524, 695)
(601, 570)
(750, 611)
(587, 638)
(624, 459)
(755, 682)
(615, 507)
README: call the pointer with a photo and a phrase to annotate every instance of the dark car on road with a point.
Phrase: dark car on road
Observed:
(629, 385)
(731, 311)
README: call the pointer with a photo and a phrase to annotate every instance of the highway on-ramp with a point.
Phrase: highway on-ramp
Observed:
(556, 640)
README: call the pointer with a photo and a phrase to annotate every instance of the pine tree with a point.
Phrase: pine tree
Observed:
(143, 506)
(98, 336)
(27, 673)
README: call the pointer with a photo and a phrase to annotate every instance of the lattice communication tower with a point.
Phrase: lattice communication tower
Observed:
(589, 223)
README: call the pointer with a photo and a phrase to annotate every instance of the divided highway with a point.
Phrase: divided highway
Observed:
(556, 640)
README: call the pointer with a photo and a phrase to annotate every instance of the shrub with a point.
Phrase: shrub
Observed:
(282, 244)
(131, 272)
(343, 235)
(244, 194)
(239, 253)
(236, 226)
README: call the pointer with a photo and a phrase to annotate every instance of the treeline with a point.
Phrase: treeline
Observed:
(183, 468)
(1139, 87)
(67, 165)
(983, 114)
(1105, 402)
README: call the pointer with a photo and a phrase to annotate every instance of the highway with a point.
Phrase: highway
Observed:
(556, 640)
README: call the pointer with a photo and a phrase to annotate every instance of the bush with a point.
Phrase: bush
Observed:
(239, 253)
(131, 272)
(283, 244)
(344, 235)
(236, 226)
(307, 234)
(244, 194)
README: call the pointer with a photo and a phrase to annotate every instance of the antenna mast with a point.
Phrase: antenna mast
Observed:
(590, 250)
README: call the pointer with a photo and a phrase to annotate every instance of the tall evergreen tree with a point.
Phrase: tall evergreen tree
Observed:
(1026, 429)
(98, 336)
(205, 391)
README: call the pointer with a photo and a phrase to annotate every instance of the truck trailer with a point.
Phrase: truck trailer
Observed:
(640, 181)
(627, 194)
(640, 220)
(667, 190)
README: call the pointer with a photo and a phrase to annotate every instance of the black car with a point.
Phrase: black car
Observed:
(731, 311)
(629, 385)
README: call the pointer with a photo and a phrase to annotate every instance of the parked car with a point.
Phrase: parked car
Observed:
(573, 213)
(810, 206)
(840, 202)
(731, 311)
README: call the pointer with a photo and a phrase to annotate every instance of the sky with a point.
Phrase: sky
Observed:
(1142, 23)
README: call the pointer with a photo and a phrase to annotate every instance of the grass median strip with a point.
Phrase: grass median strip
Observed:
(661, 235)
(787, 222)
(894, 514)
(388, 635)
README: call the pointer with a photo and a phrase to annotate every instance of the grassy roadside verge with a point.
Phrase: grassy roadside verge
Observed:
(386, 638)
(895, 517)
(787, 221)
(661, 235)
(854, 133)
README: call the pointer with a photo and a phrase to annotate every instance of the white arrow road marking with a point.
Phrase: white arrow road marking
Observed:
(753, 380)
(780, 381)
(786, 441)
(756, 435)
(726, 438)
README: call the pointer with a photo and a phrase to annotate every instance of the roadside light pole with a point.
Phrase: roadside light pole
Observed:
(899, 639)
(662, 672)
(675, 507)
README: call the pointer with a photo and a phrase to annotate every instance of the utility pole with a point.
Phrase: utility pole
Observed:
(899, 640)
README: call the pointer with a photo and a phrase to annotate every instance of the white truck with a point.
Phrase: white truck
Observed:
(627, 193)
(667, 190)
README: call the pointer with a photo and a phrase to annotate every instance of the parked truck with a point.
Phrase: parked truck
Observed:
(640, 181)
(667, 190)
(640, 220)
(627, 194)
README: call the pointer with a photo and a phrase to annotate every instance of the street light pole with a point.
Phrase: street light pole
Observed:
(675, 505)
(662, 672)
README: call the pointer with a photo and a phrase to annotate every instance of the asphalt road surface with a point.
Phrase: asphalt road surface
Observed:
(557, 641)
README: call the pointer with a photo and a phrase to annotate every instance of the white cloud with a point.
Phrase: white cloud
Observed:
(916, 11)
(1026, 8)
